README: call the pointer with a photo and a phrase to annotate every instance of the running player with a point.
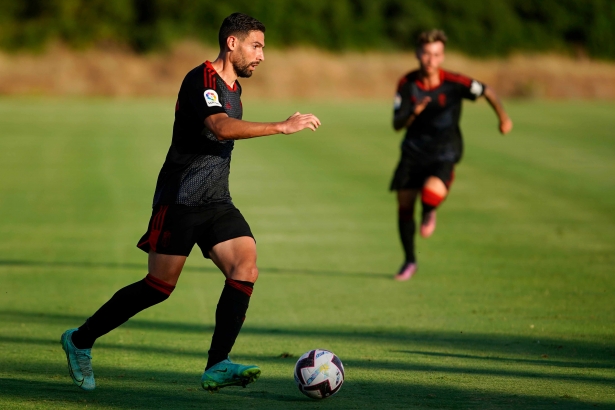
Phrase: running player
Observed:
(428, 105)
(192, 205)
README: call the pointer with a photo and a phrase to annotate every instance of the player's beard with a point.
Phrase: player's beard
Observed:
(242, 67)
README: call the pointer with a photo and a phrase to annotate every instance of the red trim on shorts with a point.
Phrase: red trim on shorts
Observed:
(430, 197)
(239, 286)
(159, 285)
(156, 227)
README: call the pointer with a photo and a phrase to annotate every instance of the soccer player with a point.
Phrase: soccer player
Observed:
(428, 105)
(192, 205)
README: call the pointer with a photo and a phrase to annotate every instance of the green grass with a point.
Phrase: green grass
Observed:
(513, 306)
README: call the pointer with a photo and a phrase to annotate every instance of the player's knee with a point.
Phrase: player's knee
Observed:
(436, 186)
(432, 197)
(246, 271)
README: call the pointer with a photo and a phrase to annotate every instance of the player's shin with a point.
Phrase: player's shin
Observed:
(430, 200)
(230, 315)
(126, 303)
(406, 232)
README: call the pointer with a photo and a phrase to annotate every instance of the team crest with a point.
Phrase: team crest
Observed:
(442, 99)
(211, 98)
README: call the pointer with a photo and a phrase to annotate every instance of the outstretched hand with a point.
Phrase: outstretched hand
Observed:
(298, 122)
(506, 125)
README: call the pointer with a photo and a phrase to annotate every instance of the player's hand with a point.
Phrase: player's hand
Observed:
(506, 125)
(418, 108)
(298, 122)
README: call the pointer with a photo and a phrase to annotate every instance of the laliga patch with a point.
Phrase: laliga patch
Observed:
(397, 102)
(476, 88)
(211, 98)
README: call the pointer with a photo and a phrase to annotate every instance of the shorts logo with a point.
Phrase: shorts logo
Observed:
(166, 239)
(211, 98)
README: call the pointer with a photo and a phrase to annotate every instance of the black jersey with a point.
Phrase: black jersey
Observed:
(434, 136)
(196, 169)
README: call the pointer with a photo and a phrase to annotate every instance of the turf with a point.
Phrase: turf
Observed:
(512, 306)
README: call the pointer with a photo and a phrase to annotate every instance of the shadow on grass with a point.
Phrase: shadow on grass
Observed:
(128, 388)
(201, 269)
(542, 368)
(577, 353)
(501, 356)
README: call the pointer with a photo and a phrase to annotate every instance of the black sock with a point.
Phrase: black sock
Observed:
(126, 303)
(230, 315)
(427, 208)
(406, 232)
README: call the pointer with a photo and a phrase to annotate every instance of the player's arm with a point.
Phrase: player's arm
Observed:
(227, 128)
(403, 120)
(505, 121)
(406, 109)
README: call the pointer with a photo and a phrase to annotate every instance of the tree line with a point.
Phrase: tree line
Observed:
(475, 27)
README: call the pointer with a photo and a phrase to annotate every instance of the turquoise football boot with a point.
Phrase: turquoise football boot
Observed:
(227, 373)
(79, 362)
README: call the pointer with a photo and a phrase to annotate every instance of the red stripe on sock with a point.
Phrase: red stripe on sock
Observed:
(240, 287)
(431, 198)
(159, 285)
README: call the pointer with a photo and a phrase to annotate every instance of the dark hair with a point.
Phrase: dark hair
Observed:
(430, 36)
(239, 25)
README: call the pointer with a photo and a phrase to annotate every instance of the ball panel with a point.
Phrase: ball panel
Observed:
(319, 374)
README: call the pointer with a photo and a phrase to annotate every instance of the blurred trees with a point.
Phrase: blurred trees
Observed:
(476, 27)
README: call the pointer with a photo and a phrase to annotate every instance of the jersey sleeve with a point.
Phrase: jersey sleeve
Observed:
(467, 87)
(403, 104)
(203, 98)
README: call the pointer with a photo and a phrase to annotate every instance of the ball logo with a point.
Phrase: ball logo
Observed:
(211, 98)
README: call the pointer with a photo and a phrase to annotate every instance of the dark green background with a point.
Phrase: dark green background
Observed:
(480, 28)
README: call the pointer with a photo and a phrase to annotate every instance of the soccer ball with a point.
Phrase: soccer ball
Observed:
(319, 374)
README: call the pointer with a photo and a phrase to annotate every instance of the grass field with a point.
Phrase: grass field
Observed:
(513, 305)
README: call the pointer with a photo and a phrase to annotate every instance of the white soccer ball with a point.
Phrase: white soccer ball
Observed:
(319, 374)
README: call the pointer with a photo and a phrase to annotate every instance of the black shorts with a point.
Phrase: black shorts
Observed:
(412, 175)
(174, 229)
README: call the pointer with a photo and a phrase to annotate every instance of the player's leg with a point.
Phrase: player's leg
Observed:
(167, 242)
(157, 286)
(406, 198)
(236, 258)
(433, 193)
